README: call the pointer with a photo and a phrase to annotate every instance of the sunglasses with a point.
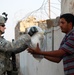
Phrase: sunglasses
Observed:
(2, 25)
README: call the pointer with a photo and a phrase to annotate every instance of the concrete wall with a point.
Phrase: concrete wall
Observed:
(67, 6)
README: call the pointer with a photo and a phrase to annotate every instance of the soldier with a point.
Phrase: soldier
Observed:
(7, 48)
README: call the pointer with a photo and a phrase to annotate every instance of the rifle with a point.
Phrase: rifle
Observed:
(14, 71)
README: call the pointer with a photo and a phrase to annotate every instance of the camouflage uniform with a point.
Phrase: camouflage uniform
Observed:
(6, 49)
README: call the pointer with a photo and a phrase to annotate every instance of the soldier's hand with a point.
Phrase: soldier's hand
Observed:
(32, 31)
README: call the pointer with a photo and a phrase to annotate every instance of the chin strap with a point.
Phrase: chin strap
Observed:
(1, 32)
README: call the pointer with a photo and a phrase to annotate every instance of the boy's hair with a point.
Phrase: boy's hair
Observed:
(68, 17)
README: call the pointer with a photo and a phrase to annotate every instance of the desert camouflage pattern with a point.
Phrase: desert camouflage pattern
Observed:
(6, 49)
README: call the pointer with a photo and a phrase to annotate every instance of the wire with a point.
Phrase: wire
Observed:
(56, 7)
(43, 10)
(59, 1)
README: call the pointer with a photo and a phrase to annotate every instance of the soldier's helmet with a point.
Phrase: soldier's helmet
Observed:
(3, 19)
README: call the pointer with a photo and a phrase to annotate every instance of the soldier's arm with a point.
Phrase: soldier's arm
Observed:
(17, 46)
(21, 44)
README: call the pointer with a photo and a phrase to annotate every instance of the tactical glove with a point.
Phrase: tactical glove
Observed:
(32, 31)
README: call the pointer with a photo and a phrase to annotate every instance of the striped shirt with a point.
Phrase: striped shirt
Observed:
(67, 45)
